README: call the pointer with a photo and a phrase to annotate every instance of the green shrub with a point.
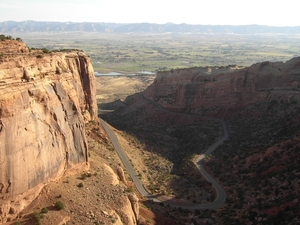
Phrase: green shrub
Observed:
(37, 218)
(3, 37)
(44, 50)
(83, 176)
(59, 205)
(130, 189)
(80, 185)
(89, 174)
(44, 210)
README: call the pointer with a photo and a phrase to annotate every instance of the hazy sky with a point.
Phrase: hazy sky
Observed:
(222, 12)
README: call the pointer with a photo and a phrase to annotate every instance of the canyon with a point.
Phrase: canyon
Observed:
(260, 104)
(54, 147)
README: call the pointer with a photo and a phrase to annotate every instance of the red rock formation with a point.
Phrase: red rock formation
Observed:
(220, 89)
(44, 101)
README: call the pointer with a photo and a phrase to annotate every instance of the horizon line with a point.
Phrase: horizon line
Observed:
(52, 21)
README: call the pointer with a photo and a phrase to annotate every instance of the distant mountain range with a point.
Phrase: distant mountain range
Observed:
(39, 26)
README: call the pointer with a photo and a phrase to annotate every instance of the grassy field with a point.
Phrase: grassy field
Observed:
(132, 53)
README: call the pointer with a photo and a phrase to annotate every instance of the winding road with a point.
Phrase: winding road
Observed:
(221, 195)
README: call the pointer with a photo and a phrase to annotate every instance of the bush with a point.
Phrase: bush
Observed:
(89, 174)
(44, 210)
(130, 189)
(3, 37)
(59, 205)
(37, 218)
(80, 185)
(83, 176)
(44, 50)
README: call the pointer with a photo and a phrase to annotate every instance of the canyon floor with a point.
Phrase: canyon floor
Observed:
(112, 88)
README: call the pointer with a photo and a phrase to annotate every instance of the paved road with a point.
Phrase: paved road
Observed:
(125, 160)
(221, 195)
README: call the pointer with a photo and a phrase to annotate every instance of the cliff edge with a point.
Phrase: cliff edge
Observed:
(45, 100)
(218, 90)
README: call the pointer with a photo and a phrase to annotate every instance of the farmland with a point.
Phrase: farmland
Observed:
(133, 53)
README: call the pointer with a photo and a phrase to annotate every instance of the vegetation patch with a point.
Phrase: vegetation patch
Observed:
(59, 205)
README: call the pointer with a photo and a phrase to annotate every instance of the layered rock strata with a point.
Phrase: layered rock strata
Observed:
(199, 89)
(45, 100)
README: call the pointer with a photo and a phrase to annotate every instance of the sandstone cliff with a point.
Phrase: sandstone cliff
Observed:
(220, 89)
(44, 101)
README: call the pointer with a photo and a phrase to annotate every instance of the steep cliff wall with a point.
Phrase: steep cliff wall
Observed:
(44, 101)
(199, 89)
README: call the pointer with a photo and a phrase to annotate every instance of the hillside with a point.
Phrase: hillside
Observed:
(40, 26)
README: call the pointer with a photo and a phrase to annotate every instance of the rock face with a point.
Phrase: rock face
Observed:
(121, 174)
(44, 101)
(128, 211)
(220, 89)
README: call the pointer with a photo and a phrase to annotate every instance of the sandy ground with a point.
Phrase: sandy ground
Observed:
(111, 88)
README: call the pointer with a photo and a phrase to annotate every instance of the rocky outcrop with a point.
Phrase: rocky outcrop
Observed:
(128, 211)
(113, 176)
(44, 101)
(221, 89)
(121, 174)
(13, 47)
(134, 201)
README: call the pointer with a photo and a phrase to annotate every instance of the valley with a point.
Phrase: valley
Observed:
(218, 202)
(262, 131)
(131, 53)
(244, 119)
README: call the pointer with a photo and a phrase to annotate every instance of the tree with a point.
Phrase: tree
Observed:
(2, 37)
